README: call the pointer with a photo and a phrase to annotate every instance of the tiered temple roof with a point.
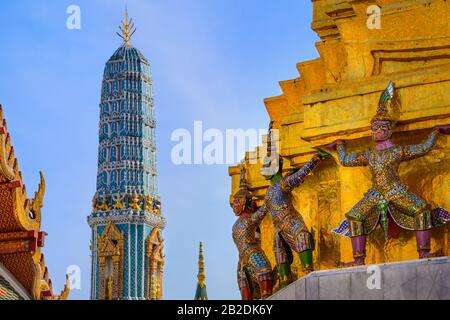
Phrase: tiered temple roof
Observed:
(23, 273)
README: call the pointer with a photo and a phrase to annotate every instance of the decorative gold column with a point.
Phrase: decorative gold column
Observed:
(155, 265)
(160, 292)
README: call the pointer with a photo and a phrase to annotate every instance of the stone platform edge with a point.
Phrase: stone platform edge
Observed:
(427, 279)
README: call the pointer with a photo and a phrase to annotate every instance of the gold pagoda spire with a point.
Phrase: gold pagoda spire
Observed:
(201, 267)
(201, 294)
(127, 28)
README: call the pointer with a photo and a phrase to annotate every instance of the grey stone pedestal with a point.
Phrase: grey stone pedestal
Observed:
(407, 280)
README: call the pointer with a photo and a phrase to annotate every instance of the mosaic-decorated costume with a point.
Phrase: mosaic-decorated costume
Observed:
(389, 199)
(291, 232)
(255, 276)
(288, 223)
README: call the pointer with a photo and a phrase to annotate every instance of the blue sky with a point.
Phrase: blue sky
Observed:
(213, 61)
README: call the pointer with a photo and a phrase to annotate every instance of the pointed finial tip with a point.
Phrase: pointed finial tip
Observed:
(127, 28)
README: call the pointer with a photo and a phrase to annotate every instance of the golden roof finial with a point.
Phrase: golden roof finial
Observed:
(127, 28)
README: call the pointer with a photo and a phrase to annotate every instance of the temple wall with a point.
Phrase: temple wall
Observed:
(335, 97)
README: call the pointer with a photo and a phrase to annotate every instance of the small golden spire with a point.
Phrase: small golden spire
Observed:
(201, 267)
(200, 293)
(127, 28)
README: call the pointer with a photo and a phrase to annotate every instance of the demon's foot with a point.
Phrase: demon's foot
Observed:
(306, 260)
(357, 262)
(426, 254)
(266, 288)
(246, 293)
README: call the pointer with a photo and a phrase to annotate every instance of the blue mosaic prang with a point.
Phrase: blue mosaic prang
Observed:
(127, 152)
(126, 164)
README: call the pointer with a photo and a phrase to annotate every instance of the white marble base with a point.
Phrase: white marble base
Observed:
(407, 280)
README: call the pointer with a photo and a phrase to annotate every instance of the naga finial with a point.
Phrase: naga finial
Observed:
(127, 28)
(38, 201)
(66, 290)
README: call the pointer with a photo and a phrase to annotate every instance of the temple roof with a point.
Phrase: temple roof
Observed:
(7, 291)
(21, 238)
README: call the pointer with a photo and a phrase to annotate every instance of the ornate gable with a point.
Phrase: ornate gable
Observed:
(110, 243)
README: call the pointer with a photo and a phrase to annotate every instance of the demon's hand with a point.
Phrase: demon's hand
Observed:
(445, 129)
(332, 146)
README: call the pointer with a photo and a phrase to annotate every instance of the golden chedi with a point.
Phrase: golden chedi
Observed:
(335, 98)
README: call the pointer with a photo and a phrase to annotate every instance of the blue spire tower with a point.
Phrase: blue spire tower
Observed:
(126, 221)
